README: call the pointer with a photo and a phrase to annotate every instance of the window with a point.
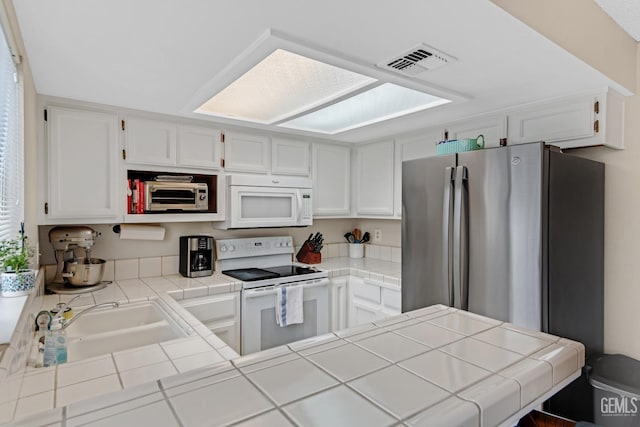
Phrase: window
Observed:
(11, 145)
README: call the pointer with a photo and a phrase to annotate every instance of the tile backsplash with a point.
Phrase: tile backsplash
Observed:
(381, 252)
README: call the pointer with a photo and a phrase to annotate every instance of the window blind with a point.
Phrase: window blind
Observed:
(11, 146)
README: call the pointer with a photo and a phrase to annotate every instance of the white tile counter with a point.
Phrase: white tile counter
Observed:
(25, 391)
(432, 367)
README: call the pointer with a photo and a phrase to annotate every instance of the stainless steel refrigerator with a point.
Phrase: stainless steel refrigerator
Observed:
(514, 233)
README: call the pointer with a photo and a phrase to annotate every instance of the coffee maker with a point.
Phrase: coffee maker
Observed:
(196, 256)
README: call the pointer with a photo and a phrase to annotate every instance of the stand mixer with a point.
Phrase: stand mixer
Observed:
(66, 241)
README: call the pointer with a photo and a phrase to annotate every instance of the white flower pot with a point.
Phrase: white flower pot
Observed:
(18, 284)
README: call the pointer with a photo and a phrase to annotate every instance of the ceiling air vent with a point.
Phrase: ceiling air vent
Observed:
(417, 60)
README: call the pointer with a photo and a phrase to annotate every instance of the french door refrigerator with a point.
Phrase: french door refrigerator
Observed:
(514, 233)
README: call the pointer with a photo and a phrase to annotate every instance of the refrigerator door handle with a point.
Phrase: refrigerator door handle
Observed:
(460, 258)
(447, 265)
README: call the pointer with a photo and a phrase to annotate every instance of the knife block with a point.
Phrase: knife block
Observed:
(306, 256)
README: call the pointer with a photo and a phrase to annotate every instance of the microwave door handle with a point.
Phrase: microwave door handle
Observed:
(299, 197)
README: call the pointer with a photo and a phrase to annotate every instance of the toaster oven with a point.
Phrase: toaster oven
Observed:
(163, 196)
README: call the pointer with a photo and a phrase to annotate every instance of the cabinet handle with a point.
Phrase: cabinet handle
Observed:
(124, 154)
(46, 208)
(596, 126)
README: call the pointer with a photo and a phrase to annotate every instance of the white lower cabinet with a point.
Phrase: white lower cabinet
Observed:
(370, 301)
(339, 296)
(220, 313)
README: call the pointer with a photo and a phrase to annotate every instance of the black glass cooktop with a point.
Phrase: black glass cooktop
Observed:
(253, 274)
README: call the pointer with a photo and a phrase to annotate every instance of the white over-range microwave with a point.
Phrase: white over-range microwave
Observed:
(267, 201)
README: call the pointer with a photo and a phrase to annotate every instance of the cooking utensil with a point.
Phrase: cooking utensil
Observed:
(80, 273)
(350, 237)
(357, 233)
(366, 237)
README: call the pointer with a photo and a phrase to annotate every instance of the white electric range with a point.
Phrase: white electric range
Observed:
(264, 264)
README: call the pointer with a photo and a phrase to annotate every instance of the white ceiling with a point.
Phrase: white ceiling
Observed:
(626, 13)
(161, 55)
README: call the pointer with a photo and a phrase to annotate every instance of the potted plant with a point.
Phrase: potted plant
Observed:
(15, 256)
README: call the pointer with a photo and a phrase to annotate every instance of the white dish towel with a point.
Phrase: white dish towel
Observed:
(289, 305)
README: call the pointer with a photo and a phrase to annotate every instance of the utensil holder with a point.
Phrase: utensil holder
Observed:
(307, 256)
(356, 250)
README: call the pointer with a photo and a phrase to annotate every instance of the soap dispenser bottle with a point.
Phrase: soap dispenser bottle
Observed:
(55, 344)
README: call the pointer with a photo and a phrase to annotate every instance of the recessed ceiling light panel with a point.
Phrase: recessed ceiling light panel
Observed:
(380, 103)
(282, 85)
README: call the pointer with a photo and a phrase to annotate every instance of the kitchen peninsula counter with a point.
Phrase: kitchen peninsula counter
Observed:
(434, 366)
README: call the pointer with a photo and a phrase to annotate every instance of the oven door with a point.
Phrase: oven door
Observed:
(268, 207)
(259, 328)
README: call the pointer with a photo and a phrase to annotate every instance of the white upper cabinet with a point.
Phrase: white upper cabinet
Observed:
(289, 157)
(161, 143)
(417, 147)
(374, 179)
(331, 176)
(150, 142)
(579, 121)
(82, 149)
(493, 128)
(246, 152)
(199, 147)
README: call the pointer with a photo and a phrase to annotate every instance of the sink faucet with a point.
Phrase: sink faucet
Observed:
(93, 307)
(63, 307)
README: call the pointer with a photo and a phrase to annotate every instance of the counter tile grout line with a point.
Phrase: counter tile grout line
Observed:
(113, 359)
(373, 402)
(64, 416)
(276, 405)
(166, 399)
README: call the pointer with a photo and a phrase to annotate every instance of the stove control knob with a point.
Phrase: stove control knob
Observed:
(232, 248)
(288, 243)
(278, 244)
(223, 248)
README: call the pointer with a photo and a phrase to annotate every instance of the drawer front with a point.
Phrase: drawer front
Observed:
(214, 309)
(391, 299)
(367, 292)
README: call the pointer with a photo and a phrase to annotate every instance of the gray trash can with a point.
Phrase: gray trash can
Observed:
(616, 380)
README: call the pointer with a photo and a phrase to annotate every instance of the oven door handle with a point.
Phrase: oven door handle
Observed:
(271, 290)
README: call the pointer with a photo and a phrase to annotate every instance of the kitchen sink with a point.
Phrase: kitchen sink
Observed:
(113, 329)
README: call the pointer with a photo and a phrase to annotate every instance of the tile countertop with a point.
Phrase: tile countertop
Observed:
(435, 366)
(57, 386)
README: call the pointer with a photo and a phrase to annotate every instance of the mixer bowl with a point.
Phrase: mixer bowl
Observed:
(80, 272)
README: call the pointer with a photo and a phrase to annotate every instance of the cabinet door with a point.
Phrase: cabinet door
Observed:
(408, 149)
(374, 179)
(339, 299)
(246, 152)
(550, 122)
(220, 313)
(391, 301)
(289, 157)
(82, 164)
(150, 142)
(199, 147)
(493, 128)
(229, 332)
(331, 175)
(363, 312)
